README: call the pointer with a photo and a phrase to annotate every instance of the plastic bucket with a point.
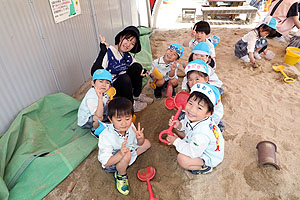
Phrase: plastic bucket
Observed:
(290, 57)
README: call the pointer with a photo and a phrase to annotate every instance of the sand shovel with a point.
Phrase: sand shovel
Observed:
(179, 103)
(280, 68)
(111, 92)
(146, 175)
(157, 75)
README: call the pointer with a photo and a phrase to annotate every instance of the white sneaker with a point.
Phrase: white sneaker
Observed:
(144, 98)
(256, 55)
(138, 106)
(245, 58)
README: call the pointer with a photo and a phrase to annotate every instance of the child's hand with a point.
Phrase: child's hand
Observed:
(252, 60)
(174, 66)
(193, 31)
(171, 139)
(139, 132)
(98, 92)
(177, 122)
(124, 149)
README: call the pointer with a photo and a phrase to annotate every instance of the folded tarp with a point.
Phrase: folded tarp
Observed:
(42, 146)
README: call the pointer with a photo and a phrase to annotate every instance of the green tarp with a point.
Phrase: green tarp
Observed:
(27, 170)
(145, 55)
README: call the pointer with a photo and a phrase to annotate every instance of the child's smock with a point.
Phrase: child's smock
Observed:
(164, 68)
(89, 106)
(110, 141)
(249, 43)
(194, 42)
(203, 139)
(116, 62)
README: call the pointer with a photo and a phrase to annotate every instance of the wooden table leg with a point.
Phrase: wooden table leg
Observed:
(213, 4)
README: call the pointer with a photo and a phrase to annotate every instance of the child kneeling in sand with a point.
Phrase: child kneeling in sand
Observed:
(202, 145)
(254, 43)
(167, 65)
(120, 143)
(93, 107)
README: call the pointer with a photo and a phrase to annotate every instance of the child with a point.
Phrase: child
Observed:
(120, 143)
(93, 106)
(167, 65)
(200, 33)
(254, 42)
(202, 52)
(198, 72)
(202, 146)
(127, 74)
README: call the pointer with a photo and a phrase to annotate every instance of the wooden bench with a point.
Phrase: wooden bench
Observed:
(250, 11)
(189, 11)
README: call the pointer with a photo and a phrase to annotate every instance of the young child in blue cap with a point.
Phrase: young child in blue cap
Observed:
(167, 65)
(202, 52)
(94, 104)
(198, 140)
(254, 43)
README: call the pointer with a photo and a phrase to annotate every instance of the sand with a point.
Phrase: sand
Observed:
(258, 106)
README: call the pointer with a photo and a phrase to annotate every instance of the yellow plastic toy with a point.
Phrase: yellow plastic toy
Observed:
(291, 58)
(157, 76)
(280, 68)
(111, 92)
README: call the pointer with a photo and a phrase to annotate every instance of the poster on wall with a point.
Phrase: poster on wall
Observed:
(64, 9)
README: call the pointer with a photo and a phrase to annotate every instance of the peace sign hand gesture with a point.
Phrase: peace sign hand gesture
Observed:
(139, 132)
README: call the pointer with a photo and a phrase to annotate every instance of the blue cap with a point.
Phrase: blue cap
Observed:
(102, 74)
(208, 90)
(269, 21)
(178, 48)
(197, 65)
(202, 48)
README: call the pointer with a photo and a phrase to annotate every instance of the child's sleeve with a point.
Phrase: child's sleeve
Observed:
(218, 113)
(105, 150)
(92, 105)
(250, 38)
(194, 148)
(154, 64)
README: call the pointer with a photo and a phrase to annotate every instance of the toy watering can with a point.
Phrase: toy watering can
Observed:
(179, 103)
(280, 68)
(157, 75)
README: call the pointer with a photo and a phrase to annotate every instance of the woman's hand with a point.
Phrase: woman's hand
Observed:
(102, 40)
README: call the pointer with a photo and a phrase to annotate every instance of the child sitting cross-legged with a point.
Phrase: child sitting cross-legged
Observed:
(120, 142)
(167, 65)
(199, 141)
(93, 107)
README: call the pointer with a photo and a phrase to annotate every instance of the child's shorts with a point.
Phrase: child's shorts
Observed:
(113, 168)
(89, 123)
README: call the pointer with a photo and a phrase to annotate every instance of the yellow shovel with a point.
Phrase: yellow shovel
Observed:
(111, 92)
(157, 76)
(280, 68)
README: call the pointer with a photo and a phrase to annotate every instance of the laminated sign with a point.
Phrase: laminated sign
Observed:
(64, 9)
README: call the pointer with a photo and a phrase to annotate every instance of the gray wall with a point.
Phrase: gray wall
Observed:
(39, 57)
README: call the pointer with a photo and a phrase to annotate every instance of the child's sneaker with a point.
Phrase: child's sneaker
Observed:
(138, 106)
(144, 98)
(256, 55)
(121, 183)
(158, 93)
(93, 133)
(204, 170)
(245, 58)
